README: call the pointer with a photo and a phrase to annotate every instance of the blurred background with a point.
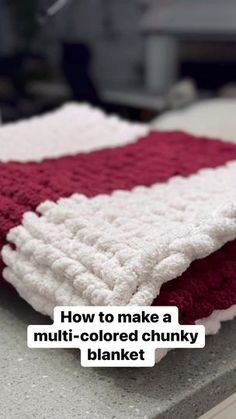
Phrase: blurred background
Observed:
(138, 58)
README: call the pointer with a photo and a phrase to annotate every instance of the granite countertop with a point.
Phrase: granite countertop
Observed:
(48, 384)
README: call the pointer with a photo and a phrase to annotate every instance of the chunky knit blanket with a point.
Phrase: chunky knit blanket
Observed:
(98, 211)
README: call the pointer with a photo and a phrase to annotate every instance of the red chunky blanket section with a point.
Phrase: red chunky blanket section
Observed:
(208, 284)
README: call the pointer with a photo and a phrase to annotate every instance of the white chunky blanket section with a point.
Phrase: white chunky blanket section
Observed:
(119, 249)
(69, 130)
(213, 118)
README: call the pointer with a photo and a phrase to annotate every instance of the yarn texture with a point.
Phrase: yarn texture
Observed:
(150, 219)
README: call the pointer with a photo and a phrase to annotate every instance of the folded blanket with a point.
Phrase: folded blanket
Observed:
(150, 220)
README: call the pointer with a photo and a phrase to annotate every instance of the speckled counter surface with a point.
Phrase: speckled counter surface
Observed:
(51, 384)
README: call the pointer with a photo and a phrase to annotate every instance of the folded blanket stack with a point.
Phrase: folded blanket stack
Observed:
(149, 220)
